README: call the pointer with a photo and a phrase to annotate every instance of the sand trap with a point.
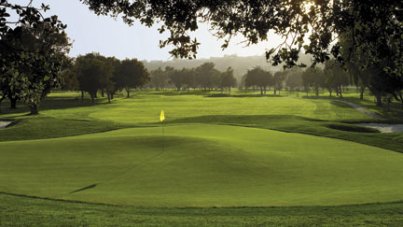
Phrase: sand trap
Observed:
(4, 124)
(384, 128)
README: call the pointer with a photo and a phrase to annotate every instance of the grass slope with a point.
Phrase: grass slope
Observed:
(202, 165)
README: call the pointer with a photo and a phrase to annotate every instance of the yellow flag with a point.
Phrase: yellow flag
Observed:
(162, 116)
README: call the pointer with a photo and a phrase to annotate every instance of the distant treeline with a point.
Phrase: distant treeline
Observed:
(99, 75)
(239, 64)
(93, 73)
(205, 77)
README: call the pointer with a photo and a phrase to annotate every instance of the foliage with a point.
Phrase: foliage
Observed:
(260, 78)
(374, 76)
(313, 77)
(294, 79)
(227, 79)
(279, 78)
(159, 79)
(33, 52)
(335, 77)
(207, 77)
(131, 73)
(94, 72)
(318, 21)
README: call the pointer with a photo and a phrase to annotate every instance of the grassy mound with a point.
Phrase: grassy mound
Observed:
(201, 165)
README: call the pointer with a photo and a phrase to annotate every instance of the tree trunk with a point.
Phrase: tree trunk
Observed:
(128, 92)
(82, 96)
(317, 91)
(109, 97)
(33, 107)
(341, 92)
(378, 99)
(362, 90)
(13, 103)
(93, 96)
(388, 100)
(102, 93)
(1, 100)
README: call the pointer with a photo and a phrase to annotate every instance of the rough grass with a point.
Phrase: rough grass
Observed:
(23, 211)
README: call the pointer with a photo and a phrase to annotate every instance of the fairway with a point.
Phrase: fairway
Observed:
(145, 107)
(202, 165)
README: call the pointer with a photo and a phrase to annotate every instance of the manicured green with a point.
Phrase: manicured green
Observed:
(202, 165)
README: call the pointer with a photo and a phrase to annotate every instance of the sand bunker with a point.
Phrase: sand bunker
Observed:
(384, 128)
(4, 124)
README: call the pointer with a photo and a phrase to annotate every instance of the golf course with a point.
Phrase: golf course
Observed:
(235, 159)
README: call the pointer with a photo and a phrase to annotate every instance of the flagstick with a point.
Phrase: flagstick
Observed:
(163, 136)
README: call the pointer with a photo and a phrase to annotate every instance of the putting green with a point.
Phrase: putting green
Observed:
(202, 165)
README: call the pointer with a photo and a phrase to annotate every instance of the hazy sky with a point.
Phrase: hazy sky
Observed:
(112, 37)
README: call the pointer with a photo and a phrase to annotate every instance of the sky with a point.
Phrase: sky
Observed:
(112, 37)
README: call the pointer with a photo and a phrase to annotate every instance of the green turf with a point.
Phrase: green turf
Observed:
(202, 165)
(24, 211)
(218, 151)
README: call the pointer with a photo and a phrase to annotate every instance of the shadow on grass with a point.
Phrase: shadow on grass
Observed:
(352, 128)
(52, 103)
(241, 95)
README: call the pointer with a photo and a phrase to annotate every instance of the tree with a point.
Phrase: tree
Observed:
(93, 73)
(313, 77)
(336, 77)
(69, 81)
(260, 78)
(159, 79)
(227, 79)
(207, 77)
(381, 82)
(178, 78)
(279, 78)
(131, 74)
(2, 92)
(33, 51)
(294, 79)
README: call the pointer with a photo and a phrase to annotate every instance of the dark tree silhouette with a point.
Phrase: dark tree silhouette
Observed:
(313, 77)
(260, 78)
(33, 51)
(93, 73)
(131, 73)
(227, 80)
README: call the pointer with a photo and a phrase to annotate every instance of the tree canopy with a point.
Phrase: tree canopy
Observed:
(372, 22)
(259, 78)
(131, 73)
(33, 51)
